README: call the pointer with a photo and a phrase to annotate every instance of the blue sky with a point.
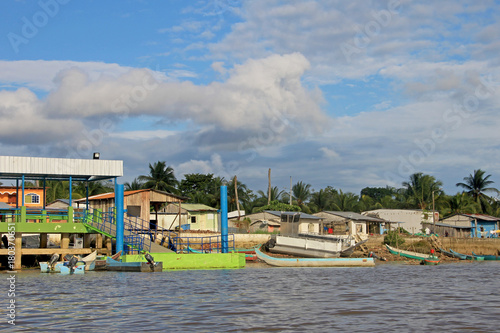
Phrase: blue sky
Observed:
(347, 94)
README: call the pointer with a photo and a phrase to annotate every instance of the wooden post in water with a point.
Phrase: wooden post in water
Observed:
(18, 247)
(64, 243)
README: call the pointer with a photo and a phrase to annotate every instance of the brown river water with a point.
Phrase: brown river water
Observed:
(455, 297)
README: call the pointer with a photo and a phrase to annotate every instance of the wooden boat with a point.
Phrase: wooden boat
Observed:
(447, 253)
(100, 261)
(426, 259)
(114, 265)
(314, 262)
(467, 256)
(90, 261)
(487, 256)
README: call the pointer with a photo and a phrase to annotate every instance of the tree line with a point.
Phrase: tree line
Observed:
(475, 193)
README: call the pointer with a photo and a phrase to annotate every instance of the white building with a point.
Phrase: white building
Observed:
(408, 219)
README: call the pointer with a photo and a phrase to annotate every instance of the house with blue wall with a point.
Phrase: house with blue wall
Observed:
(481, 226)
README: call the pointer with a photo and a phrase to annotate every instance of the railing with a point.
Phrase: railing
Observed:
(105, 222)
(205, 244)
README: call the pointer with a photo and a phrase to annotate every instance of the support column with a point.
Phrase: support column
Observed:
(64, 243)
(98, 241)
(18, 245)
(109, 246)
(86, 240)
(223, 224)
(43, 240)
(119, 217)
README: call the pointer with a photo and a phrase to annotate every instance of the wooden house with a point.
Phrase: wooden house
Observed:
(351, 223)
(141, 204)
(467, 225)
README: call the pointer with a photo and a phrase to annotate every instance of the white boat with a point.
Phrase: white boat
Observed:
(313, 246)
(314, 262)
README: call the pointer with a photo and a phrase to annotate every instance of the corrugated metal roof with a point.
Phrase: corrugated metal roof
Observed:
(302, 215)
(482, 217)
(355, 216)
(110, 195)
(195, 207)
(13, 167)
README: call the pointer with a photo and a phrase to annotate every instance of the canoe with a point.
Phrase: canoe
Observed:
(114, 265)
(314, 262)
(467, 256)
(487, 256)
(447, 253)
(408, 254)
(431, 261)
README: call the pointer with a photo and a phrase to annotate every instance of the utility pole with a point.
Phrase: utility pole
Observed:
(290, 190)
(269, 187)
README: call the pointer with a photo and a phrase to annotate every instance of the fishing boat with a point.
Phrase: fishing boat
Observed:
(313, 246)
(62, 267)
(487, 256)
(447, 253)
(467, 256)
(100, 261)
(314, 262)
(426, 259)
(115, 265)
(89, 261)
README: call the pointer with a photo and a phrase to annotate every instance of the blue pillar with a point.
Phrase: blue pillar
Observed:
(70, 191)
(223, 219)
(119, 216)
(22, 192)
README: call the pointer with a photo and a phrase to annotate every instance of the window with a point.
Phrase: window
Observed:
(193, 219)
(32, 198)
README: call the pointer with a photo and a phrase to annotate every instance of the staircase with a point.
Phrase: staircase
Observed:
(135, 234)
(362, 247)
(435, 242)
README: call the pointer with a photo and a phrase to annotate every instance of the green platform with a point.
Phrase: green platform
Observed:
(193, 260)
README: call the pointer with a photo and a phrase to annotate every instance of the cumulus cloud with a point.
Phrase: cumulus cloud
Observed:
(255, 94)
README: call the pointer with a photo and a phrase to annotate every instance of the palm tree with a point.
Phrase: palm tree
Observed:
(319, 200)
(419, 190)
(301, 192)
(475, 185)
(345, 202)
(461, 203)
(161, 177)
(134, 185)
(275, 193)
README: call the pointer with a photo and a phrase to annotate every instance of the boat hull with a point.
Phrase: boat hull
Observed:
(427, 259)
(313, 246)
(113, 265)
(314, 262)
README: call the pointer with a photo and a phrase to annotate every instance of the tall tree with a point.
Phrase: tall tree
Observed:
(301, 192)
(161, 177)
(419, 190)
(275, 194)
(134, 185)
(476, 185)
(345, 202)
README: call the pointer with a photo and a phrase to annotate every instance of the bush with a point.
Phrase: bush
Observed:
(393, 238)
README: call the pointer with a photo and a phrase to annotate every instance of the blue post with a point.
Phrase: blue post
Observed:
(70, 191)
(223, 219)
(119, 217)
(22, 184)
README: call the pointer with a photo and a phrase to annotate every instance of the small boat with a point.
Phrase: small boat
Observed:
(100, 261)
(89, 261)
(447, 253)
(427, 259)
(467, 256)
(487, 256)
(115, 265)
(314, 262)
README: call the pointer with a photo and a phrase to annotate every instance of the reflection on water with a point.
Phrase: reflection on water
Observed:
(394, 297)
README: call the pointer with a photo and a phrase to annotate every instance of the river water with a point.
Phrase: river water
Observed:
(392, 297)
